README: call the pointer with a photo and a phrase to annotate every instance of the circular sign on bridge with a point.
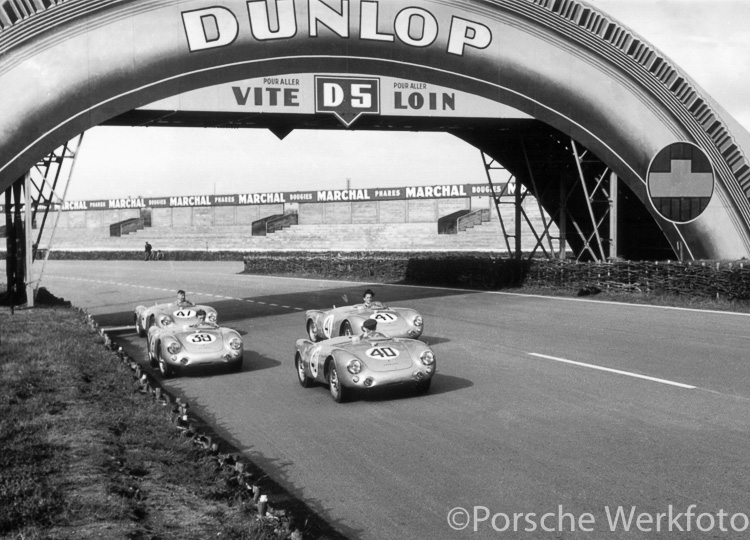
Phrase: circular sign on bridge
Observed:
(680, 182)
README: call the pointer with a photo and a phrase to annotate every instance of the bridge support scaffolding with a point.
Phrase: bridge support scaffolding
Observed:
(583, 208)
(40, 189)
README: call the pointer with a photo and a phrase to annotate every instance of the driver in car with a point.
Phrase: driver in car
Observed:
(202, 322)
(369, 331)
(368, 301)
(182, 301)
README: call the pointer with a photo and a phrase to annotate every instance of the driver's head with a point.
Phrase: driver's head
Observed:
(369, 325)
(200, 315)
(368, 296)
(181, 295)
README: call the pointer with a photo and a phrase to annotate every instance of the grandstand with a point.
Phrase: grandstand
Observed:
(325, 223)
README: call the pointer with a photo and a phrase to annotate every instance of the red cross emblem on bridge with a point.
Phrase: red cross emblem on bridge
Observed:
(680, 182)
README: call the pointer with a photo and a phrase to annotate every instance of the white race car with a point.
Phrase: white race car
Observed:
(165, 315)
(348, 320)
(346, 364)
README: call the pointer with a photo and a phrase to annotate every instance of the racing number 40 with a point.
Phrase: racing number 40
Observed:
(383, 352)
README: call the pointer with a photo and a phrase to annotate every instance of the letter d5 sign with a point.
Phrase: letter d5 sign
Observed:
(347, 97)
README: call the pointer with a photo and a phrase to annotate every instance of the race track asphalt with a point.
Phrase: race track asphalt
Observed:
(547, 417)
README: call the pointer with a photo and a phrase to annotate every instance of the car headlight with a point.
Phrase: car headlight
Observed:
(354, 366)
(235, 343)
(418, 320)
(213, 317)
(166, 320)
(173, 347)
(427, 357)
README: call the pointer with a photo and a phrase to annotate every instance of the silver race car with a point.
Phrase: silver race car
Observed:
(178, 348)
(347, 320)
(165, 315)
(349, 363)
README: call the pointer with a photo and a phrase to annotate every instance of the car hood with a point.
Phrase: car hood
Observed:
(201, 340)
(382, 355)
(181, 315)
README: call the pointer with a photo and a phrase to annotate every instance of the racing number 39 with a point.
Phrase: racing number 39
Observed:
(200, 338)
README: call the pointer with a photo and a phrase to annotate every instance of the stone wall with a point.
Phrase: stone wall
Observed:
(197, 216)
(370, 212)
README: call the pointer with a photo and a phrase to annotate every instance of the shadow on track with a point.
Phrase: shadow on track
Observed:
(253, 307)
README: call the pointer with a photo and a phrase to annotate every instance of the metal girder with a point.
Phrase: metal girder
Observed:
(55, 169)
(598, 204)
(41, 186)
(490, 164)
(584, 204)
(52, 170)
(520, 195)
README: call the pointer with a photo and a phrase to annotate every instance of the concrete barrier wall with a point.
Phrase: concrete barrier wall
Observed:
(421, 211)
(225, 215)
(366, 212)
(203, 216)
(199, 216)
(339, 212)
(448, 206)
(245, 215)
(311, 214)
(161, 217)
(358, 212)
(392, 211)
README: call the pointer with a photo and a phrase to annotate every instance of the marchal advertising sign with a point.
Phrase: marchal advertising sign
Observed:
(445, 191)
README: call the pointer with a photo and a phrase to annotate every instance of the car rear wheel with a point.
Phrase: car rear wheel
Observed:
(338, 392)
(346, 329)
(164, 369)
(312, 331)
(302, 377)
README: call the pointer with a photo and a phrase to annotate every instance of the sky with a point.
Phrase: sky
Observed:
(707, 39)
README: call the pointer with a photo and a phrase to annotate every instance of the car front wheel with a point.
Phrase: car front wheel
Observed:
(236, 366)
(302, 377)
(150, 356)
(338, 392)
(138, 328)
(423, 387)
(164, 369)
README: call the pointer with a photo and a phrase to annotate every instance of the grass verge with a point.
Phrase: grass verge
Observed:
(83, 453)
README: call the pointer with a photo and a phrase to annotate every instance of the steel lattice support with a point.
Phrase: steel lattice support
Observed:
(521, 218)
(596, 197)
(41, 190)
(15, 264)
(575, 198)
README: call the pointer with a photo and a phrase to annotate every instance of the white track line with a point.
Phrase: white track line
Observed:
(610, 370)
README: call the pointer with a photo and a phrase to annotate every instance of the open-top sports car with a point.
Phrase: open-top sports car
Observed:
(349, 363)
(180, 347)
(347, 320)
(165, 315)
